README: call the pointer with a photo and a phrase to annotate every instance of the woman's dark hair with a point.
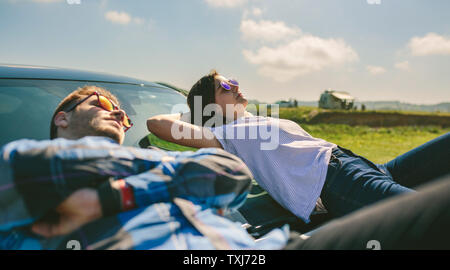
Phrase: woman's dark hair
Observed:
(203, 89)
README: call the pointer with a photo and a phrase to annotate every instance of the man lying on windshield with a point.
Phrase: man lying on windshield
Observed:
(84, 187)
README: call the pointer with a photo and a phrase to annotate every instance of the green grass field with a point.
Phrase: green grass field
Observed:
(376, 144)
(305, 113)
(379, 145)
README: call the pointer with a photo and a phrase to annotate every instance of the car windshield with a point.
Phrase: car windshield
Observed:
(26, 106)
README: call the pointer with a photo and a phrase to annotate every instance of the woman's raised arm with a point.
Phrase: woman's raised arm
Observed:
(169, 127)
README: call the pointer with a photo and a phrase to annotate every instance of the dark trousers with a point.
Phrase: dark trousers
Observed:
(417, 220)
(354, 182)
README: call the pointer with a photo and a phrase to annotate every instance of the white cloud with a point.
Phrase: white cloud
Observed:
(402, 65)
(376, 70)
(374, 2)
(430, 44)
(267, 30)
(123, 18)
(301, 56)
(257, 12)
(118, 17)
(226, 3)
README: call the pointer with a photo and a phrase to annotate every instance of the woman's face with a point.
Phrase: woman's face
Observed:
(232, 96)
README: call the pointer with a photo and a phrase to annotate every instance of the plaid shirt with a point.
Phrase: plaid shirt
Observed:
(178, 197)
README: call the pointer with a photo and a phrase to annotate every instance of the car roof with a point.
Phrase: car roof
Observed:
(13, 71)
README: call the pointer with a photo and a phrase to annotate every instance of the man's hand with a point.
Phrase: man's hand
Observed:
(80, 208)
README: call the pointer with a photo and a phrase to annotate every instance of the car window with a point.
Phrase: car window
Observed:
(26, 106)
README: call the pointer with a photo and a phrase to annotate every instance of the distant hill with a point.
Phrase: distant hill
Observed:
(255, 101)
(400, 106)
(370, 105)
(384, 106)
(314, 115)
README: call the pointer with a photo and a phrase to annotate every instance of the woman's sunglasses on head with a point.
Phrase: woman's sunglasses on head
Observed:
(106, 104)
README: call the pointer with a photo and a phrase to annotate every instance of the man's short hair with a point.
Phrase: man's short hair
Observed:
(75, 97)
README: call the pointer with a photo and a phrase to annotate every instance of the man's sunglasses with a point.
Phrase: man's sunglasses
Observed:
(106, 104)
(228, 85)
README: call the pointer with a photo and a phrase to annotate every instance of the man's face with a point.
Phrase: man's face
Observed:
(90, 119)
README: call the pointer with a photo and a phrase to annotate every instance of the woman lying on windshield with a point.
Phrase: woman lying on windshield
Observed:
(295, 168)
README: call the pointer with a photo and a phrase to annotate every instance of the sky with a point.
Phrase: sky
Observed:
(377, 50)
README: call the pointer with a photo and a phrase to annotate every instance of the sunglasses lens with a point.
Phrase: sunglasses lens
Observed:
(105, 103)
(126, 122)
(225, 85)
(233, 82)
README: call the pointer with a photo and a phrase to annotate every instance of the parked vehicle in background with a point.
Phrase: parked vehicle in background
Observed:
(332, 99)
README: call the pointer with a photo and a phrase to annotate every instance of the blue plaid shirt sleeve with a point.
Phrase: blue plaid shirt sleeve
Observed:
(177, 195)
(38, 175)
(210, 177)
